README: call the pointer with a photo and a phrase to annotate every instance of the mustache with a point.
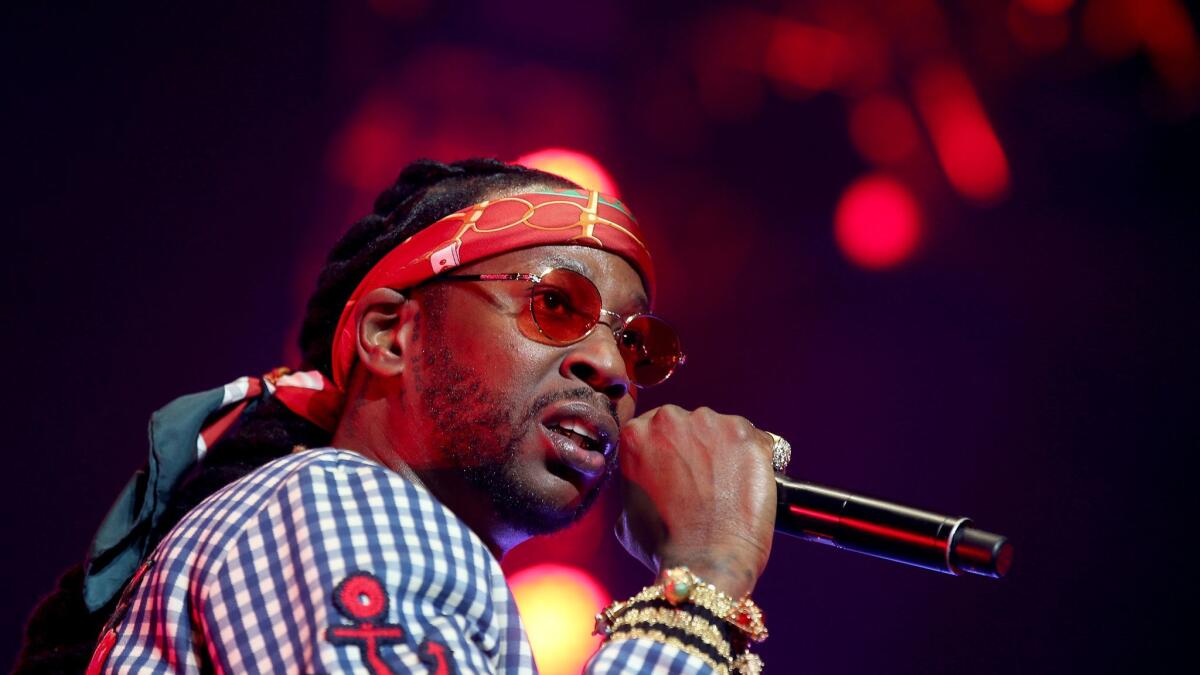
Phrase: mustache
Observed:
(585, 394)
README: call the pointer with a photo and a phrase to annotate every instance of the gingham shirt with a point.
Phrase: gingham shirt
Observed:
(294, 567)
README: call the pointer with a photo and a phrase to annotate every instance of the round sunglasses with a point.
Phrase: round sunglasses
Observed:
(566, 306)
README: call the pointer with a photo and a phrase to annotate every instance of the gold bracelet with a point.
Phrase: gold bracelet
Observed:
(692, 624)
(659, 636)
(679, 585)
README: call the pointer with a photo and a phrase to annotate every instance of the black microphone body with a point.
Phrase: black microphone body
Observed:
(886, 530)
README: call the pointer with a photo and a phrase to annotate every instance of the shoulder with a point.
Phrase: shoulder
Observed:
(338, 529)
(282, 561)
(336, 503)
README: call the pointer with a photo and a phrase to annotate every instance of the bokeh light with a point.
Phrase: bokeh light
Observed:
(1047, 7)
(572, 165)
(1163, 28)
(1038, 31)
(878, 222)
(558, 605)
(966, 144)
(806, 56)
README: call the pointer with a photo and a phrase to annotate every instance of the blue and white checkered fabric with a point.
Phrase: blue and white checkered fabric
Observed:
(261, 575)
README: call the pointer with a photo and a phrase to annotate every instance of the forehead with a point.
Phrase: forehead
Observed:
(619, 283)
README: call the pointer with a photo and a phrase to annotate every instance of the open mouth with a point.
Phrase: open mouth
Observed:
(579, 454)
(583, 437)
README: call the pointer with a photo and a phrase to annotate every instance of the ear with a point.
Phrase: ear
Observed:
(385, 322)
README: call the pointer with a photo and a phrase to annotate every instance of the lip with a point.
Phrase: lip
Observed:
(590, 463)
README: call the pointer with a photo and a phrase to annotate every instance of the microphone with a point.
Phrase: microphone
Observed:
(891, 531)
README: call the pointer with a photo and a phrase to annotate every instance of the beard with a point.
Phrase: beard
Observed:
(479, 433)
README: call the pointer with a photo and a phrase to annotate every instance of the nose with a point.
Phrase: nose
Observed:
(596, 361)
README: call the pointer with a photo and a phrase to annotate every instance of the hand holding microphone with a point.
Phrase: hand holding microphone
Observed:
(696, 490)
(699, 491)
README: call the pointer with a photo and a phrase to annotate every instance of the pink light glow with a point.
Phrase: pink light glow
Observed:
(1038, 31)
(810, 57)
(572, 165)
(877, 223)
(1047, 7)
(966, 145)
(1117, 28)
(558, 605)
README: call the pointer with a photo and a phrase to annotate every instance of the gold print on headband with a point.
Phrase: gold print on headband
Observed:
(589, 220)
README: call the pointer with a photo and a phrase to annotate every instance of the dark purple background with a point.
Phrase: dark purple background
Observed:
(171, 186)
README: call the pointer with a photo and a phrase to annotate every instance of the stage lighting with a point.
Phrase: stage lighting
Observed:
(877, 223)
(572, 165)
(558, 605)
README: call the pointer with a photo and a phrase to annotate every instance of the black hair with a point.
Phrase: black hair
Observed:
(61, 634)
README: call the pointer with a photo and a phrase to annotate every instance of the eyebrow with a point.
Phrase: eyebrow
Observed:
(641, 304)
(558, 260)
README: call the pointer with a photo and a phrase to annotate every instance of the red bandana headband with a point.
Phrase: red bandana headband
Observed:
(567, 217)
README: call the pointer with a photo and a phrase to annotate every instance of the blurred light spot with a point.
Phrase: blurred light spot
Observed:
(558, 605)
(1035, 31)
(805, 56)
(572, 165)
(877, 223)
(966, 145)
(1117, 28)
(1164, 28)
(726, 53)
(365, 154)
(1171, 40)
(1108, 29)
(883, 129)
(1047, 7)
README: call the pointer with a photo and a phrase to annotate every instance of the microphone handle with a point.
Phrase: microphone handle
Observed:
(886, 530)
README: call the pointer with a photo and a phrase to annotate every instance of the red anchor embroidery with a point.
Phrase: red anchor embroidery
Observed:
(360, 597)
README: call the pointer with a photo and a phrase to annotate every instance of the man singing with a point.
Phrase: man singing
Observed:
(472, 356)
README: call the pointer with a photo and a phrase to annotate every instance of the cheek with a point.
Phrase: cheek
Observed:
(506, 358)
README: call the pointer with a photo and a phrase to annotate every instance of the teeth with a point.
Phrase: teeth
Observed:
(571, 425)
(587, 442)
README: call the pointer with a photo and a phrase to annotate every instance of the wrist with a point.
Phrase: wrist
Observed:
(731, 583)
(729, 574)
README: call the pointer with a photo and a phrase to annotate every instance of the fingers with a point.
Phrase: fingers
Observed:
(700, 489)
(671, 419)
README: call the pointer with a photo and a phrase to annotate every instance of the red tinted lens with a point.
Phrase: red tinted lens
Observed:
(650, 348)
(565, 305)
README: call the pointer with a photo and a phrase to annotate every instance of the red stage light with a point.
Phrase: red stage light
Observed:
(810, 57)
(1164, 28)
(877, 223)
(966, 145)
(572, 165)
(365, 153)
(1038, 31)
(558, 605)
(1047, 7)
(883, 129)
